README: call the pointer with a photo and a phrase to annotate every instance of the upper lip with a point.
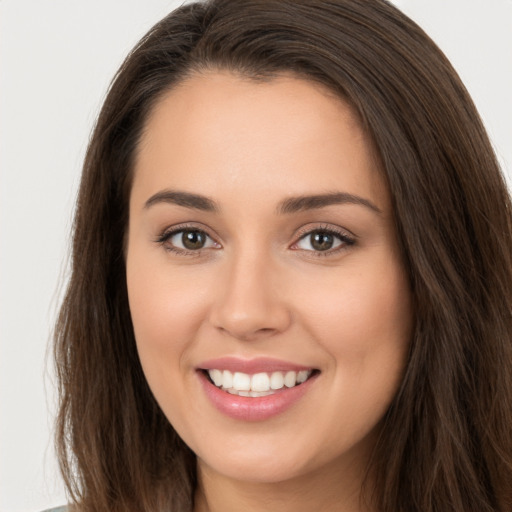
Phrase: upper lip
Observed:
(251, 366)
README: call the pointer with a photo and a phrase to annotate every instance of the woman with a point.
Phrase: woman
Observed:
(292, 275)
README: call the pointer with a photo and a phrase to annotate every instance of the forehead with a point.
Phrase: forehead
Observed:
(218, 131)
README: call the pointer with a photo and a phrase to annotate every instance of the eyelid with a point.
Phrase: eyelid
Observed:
(347, 238)
(331, 228)
(170, 231)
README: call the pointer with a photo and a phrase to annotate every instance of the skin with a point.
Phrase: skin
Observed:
(259, 288)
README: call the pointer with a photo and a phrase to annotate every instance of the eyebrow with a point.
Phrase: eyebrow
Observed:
(289, 205)
(303, 203)
(185, 199)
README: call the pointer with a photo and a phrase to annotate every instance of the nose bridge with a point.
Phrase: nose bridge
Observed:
(248, 303)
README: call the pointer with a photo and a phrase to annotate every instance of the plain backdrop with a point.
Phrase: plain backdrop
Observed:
(56, 60)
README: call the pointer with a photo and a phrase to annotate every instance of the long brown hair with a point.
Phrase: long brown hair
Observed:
(446, 443)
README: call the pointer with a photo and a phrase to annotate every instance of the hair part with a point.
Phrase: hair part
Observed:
(446, 441)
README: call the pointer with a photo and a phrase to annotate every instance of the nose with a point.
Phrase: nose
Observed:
(249, 304)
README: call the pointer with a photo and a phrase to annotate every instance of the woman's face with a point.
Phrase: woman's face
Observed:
(262, 253)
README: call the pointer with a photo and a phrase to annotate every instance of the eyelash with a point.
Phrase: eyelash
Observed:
(164, 238)
(345, 239)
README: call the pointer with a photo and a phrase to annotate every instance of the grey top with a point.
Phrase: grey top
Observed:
(57, 509)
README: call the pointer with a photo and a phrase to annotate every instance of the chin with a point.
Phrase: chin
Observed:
(264, 470)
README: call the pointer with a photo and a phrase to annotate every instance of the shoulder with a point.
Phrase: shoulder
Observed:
(57, 509)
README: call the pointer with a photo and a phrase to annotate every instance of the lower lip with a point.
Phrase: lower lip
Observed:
(254, 408)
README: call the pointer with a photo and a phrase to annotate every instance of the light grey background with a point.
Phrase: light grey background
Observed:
(56, 60)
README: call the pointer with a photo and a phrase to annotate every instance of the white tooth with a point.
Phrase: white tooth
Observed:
(276, 380)
(289, 379)
(216, 376)
(260, 382)
(260, 393)
(232, 391)
(244, 393)
(241, 381)
(227, 379)
(302, 376)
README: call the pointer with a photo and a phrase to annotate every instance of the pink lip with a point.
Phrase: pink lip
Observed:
(254, 408)
(251, 366)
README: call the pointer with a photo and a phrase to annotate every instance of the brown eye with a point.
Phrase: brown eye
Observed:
(322, 241)
(193, 239)
(189, 240)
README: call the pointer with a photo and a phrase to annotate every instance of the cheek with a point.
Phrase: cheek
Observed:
(364, 321)
(367, 307)
(162, 300)
(366, 330)
(167, 308)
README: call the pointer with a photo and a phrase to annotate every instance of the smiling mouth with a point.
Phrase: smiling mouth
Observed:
(258, 384)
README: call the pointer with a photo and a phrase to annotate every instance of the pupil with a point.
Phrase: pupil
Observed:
(193, 239)
(322, 241)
